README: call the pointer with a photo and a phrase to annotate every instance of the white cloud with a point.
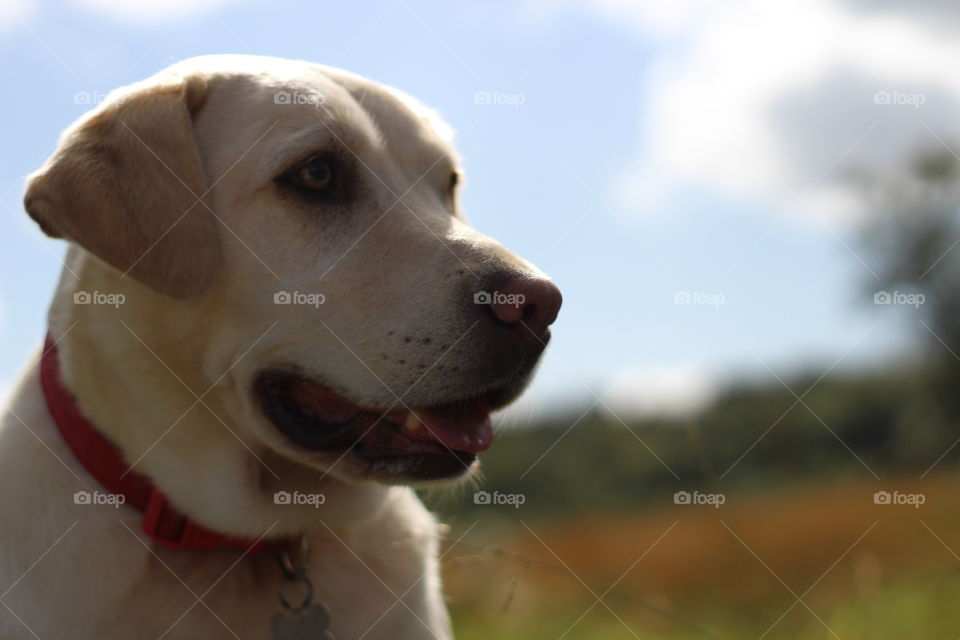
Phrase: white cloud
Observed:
(14, 13)
(762, 100)
(141, 12)
(674, 391)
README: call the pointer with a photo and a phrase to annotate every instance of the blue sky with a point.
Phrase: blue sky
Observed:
(626, 150)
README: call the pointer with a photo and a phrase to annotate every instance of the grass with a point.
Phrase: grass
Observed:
(907, 611)
(864, 571)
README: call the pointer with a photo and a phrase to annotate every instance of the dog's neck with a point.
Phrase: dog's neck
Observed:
(214, 471)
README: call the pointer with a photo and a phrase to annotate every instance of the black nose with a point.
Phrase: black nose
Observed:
(529, 304)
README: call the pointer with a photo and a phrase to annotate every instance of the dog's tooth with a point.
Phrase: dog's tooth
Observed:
(412, 423)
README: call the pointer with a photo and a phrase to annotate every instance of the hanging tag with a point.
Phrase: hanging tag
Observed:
(312, 623)
(308, 620)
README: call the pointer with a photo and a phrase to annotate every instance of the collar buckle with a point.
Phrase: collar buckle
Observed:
(163, 524)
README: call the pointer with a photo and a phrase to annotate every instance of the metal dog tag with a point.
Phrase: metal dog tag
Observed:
(308, 620)
(312, 623)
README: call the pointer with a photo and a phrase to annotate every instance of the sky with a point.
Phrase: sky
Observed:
(681, 169)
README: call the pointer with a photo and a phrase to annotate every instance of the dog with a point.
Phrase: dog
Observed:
(273, 323)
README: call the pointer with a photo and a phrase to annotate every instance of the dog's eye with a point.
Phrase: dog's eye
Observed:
(323, 178)
(315, 175)
(454, 181)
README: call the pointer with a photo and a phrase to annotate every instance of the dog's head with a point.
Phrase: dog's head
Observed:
(300, 228)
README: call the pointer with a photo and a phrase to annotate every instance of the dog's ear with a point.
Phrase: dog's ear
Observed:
(127, 184)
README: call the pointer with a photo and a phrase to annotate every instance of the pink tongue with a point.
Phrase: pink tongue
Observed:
(461, 427)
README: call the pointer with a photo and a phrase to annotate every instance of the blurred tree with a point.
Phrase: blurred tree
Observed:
(914, 239)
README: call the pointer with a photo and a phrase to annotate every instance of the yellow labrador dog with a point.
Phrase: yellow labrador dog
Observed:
(272, 322)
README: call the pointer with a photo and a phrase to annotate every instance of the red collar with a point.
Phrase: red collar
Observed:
(161, 521)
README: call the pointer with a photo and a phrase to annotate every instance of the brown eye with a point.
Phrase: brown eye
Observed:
(316, 175)
(454, 181)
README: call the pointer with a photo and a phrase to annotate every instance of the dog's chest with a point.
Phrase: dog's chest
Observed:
(133, 592)
(222, 598)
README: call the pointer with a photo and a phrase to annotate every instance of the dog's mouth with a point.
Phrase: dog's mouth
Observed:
(432, 442)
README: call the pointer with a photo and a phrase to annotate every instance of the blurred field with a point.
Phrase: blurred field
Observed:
(863, 571)
(799, 550)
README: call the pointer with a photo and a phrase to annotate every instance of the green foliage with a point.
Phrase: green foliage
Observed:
(888, 422)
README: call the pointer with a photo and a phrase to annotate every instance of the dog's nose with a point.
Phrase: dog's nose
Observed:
(530, 304)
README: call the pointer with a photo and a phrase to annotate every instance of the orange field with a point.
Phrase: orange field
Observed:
(819, 561)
